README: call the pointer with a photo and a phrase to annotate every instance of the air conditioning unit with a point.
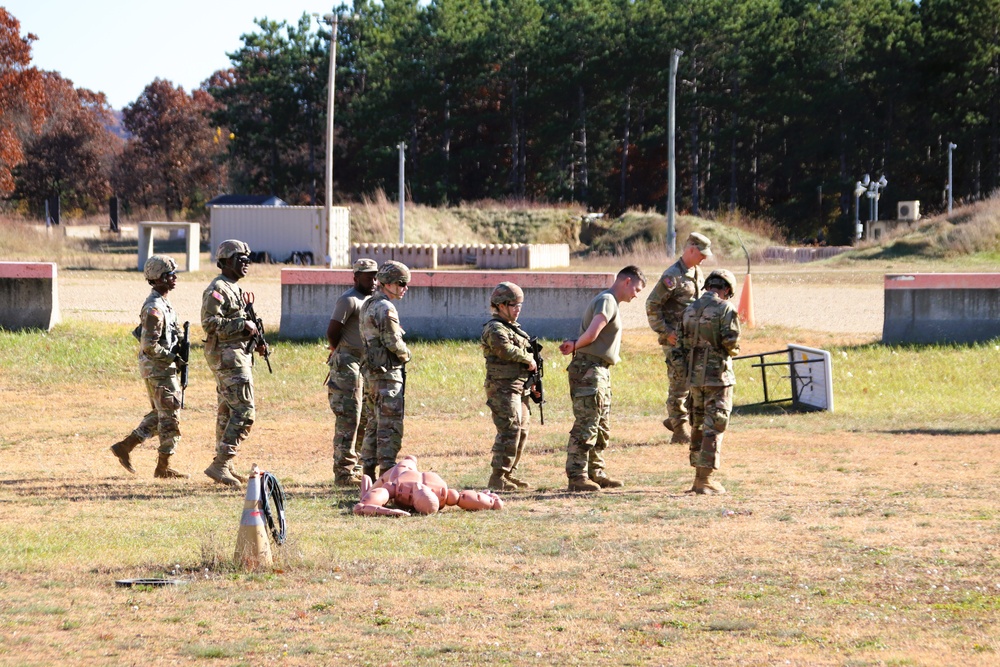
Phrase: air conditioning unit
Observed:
(908, 210)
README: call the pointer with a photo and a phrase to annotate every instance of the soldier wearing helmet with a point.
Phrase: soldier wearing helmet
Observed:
(385, 356)
(509, 365)
(711, 339)
(159, 343)
(228, 331)
(679, 285)
(345, 382)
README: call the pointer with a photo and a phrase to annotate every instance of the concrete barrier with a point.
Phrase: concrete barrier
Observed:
(29, 296)
(941, 307)
(445, 304)
(482, 256)
(192, 231)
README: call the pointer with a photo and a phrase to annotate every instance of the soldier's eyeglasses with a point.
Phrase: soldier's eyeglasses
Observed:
(243, 259)
(402, 283)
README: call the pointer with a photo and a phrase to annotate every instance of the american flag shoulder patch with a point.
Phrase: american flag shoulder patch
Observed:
(217, 295)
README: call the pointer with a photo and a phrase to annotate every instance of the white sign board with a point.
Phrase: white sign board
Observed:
(812, 378)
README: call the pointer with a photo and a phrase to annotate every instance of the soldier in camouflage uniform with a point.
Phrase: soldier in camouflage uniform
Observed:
(386, 356)
(711, 338)
(679, 285)
(509, 367)
(229, 332)
(345, 384)
(594, 351)
(159, 344)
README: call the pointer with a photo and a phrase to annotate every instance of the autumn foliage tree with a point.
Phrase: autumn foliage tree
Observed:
(170, 156)
(22, 96)
(72, 154)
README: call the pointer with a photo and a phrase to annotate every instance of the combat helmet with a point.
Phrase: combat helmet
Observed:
(722, 276)
(158, 266)
(393, 272)
(231, 248)
(506, 293)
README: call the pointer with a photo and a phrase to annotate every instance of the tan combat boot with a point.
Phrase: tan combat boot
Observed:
(682, 433)
(219, 471)
(712, 488)
(498, 483)
(581, 483)
(164, 471)
(519, 483)
(346, 481)
(123, 449)
(698, 486)
(232, 471)
(602, 480)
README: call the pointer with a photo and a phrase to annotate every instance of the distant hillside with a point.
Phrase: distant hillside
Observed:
(970, 231)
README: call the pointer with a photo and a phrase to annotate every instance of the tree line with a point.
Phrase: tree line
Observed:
(782, 105)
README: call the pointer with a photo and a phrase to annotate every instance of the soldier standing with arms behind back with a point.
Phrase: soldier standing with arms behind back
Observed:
(159, 345)
(345, 384)
(229, 333)
(711, 340)
(679, 285)
(594, 352)
(509, 365)
(386, 355)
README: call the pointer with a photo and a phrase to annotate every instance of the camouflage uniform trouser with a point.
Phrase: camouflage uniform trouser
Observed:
(590, 389)
(709, 417)
(165, 398)
(345, 390)
(236, 412)
(509, 406)
(384, 429)
(677, 375)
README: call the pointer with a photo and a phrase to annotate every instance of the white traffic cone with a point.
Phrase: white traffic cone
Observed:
(253, 547)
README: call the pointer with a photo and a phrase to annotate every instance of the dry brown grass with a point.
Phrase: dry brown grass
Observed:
(837, 548)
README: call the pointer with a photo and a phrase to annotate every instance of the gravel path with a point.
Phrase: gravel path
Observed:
(835, 302)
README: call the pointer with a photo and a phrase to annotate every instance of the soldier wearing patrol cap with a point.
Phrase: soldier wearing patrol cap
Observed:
(159, 344)
(345, 383)
(386, 356)
(509, 365)
(228, 330)
(679, 285)
(711, 339)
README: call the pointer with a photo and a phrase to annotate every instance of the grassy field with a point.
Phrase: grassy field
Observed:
(863, 537)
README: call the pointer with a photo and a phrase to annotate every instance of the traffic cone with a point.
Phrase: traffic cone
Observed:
(253, 547)
(745, 310)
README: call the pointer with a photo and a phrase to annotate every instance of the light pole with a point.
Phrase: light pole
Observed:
(331, 20)
(402, 189)
(951, 185)
(859, 190)
(675, 56)
(874, 194)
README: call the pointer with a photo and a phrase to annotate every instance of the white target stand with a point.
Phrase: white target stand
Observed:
(810, 372)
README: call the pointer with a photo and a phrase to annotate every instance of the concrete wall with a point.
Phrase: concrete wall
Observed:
(941, 307)
(804, 254)
(445, 304)
(282, 230)
(29, 296)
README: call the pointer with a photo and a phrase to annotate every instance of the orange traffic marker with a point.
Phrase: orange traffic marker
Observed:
(745, 310)
(253, 547)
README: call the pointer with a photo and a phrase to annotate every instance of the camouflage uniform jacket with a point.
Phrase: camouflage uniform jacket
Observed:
(505, 346)
(711, 339)
(223, 317)
(385, 351)
(159, 338)
(674, 291)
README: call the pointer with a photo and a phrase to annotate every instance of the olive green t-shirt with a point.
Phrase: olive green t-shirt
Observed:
(609, 341)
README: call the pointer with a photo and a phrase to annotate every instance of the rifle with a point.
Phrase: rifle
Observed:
(258, 339)
(535, 389)
(184, 354)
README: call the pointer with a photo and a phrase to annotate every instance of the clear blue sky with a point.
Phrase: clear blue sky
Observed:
(119, 46)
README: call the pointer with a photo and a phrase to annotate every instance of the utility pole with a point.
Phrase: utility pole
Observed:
(402, 190)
